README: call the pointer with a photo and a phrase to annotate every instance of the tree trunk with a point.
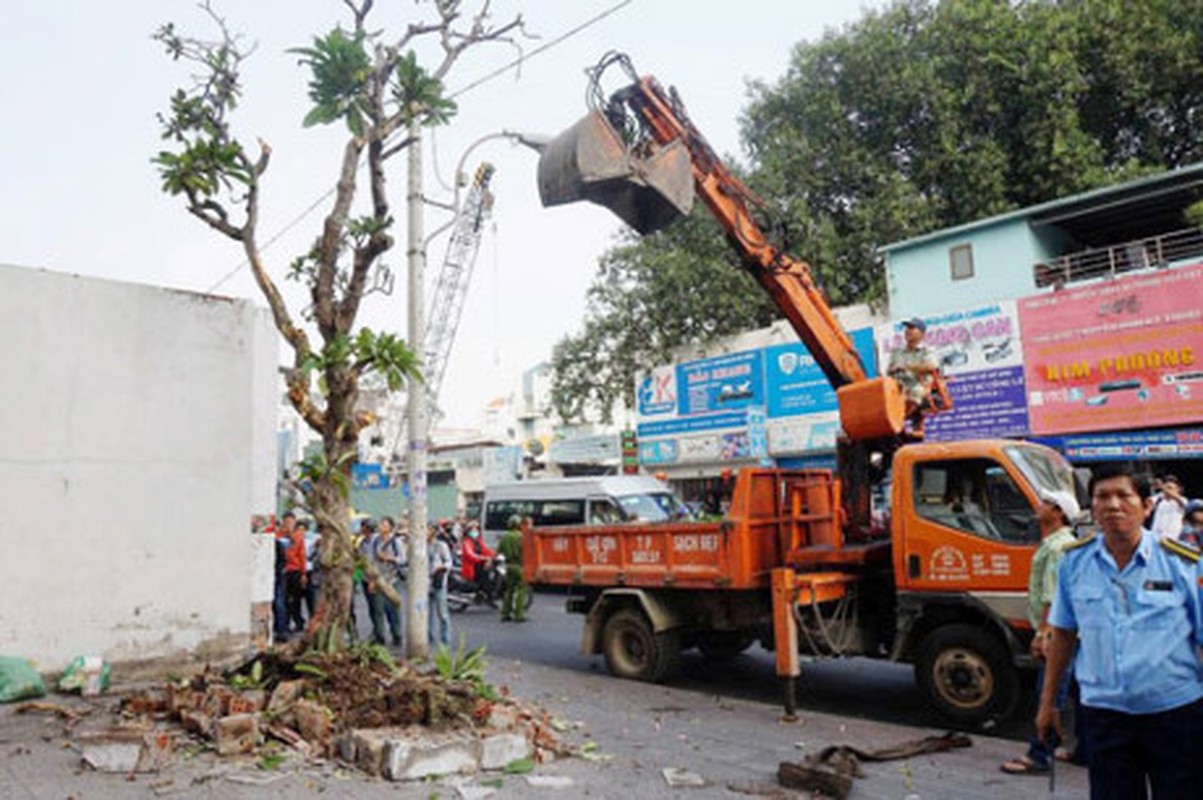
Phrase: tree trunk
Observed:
(330, 624)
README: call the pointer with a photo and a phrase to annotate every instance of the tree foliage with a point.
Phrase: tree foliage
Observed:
(374, 85)
(651, 296)
(921, 116)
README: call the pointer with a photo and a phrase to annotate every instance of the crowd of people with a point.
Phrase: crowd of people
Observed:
(455, 550)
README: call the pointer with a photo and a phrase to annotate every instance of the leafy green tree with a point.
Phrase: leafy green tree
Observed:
(652, 296)
(919, 116)
(372, 85)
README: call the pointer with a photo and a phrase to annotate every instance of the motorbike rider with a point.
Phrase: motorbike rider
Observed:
(475, 556)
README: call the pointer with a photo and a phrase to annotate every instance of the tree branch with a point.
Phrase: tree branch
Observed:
(325, 309)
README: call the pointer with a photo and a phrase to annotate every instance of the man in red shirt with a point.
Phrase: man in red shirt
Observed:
(294, 570)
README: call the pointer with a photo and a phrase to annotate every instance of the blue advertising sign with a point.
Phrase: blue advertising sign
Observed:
(368, 476)
(987, 404)
(796, 385)
(661, 451)
(708, 422)
(1128, 445)
(758, 435)
(724, 383)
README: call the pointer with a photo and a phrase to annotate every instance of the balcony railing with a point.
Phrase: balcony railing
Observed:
(1154, 252)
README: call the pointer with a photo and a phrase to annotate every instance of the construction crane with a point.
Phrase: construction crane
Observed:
(447, 306)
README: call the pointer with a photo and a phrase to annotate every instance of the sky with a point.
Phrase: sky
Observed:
(83, 82)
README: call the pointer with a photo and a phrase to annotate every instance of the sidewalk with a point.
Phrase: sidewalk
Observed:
(639, 729)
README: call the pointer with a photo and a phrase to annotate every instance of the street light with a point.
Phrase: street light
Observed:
(417, 412)
(534, 141)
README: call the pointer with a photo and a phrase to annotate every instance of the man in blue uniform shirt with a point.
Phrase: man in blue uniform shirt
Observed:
(1133, 602)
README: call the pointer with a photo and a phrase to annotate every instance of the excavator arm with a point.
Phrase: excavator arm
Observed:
(638, 154)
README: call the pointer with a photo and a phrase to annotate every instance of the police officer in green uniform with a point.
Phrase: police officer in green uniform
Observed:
(1133, 603)
(513, 604)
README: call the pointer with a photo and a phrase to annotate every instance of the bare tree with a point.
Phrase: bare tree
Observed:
(373, 84)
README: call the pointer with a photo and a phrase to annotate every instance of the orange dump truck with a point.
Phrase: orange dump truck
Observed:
(940, 580)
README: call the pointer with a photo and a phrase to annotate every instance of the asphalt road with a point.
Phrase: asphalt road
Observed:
(855, 687)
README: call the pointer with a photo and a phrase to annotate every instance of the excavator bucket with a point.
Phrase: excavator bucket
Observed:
(589, 161)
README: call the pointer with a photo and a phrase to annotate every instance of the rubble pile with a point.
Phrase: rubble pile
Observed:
(389, 719)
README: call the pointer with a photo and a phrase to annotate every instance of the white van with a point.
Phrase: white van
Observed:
(606, 500)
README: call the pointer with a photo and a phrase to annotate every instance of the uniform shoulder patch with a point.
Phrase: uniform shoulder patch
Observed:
(1085, 540)
(1181, 549)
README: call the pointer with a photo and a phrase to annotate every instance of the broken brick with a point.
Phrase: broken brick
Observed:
(251, 701)
(237, 733)
(315, 723)
(197, 722)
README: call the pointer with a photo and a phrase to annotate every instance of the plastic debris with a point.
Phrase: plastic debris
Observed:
(19, 680)
(88, 675)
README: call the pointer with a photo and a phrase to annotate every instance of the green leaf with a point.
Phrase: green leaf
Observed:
(519, 766)
(309, 669)
(270, 761)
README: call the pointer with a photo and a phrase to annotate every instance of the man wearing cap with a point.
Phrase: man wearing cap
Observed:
(1056, 514)
(914, 367)
(1192, 525)
(1132, 605)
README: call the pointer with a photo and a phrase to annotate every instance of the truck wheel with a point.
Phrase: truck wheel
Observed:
(634, 650)
(967, 674)
(723, 645)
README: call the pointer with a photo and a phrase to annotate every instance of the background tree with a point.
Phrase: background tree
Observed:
(921, 116)
(651, 296)
(373, 85)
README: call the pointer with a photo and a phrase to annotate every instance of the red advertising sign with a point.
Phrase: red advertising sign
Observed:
(1115, 355)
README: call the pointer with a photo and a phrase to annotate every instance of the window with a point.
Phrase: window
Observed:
(976, 496)
(603, 511)
(560, 512)
(960, 258)
(498, 513)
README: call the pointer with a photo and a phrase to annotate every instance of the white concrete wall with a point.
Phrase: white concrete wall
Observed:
(136, 437)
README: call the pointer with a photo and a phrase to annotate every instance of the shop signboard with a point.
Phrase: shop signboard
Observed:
(723, 383)
(758, 439)
(1117, 354)
(502, 464)
(803, 434)
(795, 383)
(630, 453)
(981, 354)
(658, 451)
(1144, 445)
(657, 392)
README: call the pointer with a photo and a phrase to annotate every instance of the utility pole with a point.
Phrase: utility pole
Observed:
(419, 579)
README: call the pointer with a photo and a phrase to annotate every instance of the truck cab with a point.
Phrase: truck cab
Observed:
(964, 531)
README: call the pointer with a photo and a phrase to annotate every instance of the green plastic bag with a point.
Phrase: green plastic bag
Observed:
(19, 680)
(88, 675)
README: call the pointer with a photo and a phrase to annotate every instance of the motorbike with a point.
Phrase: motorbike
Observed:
(486, 590)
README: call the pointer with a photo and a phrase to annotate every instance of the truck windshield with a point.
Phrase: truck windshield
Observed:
(1044, 469)
(653, 507)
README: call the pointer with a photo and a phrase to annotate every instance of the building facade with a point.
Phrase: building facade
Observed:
(1078, 323)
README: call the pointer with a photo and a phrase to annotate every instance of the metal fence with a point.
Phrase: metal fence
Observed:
(1150, 253)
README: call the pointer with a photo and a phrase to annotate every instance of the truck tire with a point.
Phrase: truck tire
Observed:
(723, 645)
(633, 650)
(967, 675)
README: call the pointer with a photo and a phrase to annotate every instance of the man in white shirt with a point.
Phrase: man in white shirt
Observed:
(1169, 509)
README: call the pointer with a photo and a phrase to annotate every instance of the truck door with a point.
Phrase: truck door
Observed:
(967, 526)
